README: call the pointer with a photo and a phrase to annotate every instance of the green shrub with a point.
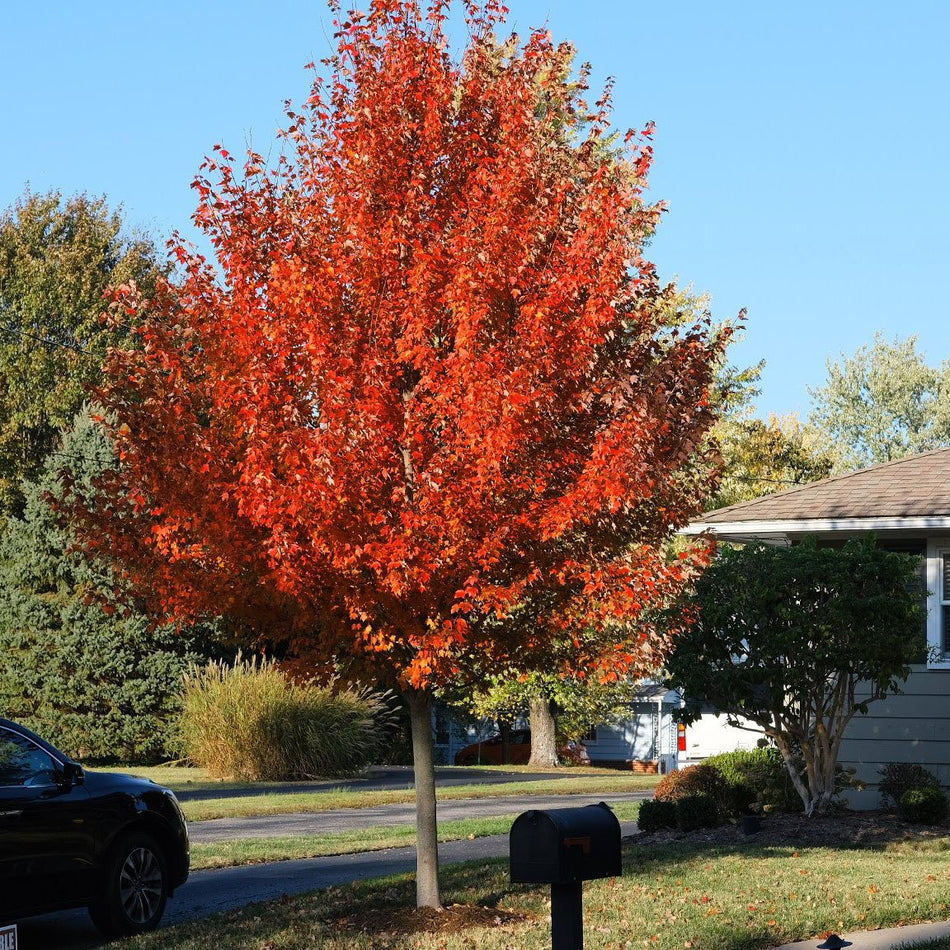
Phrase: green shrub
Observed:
(900, 777)
(756, 778)
(249, 721)
(923, 806)
(655, 815)
(695, 780)
(696, 811)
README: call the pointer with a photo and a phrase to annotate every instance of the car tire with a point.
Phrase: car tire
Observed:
(134, 888)
(467, 760)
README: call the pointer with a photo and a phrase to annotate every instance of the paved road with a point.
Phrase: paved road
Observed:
(378, 778)
(387, 816)
(209, 892)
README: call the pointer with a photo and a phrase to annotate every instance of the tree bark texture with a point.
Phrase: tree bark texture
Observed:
(543, 742)
(427, 841)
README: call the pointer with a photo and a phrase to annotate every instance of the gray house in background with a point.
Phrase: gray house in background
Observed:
(647, 740)
(906, 506)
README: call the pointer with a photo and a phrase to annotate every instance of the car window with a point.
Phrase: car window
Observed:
(22, 762)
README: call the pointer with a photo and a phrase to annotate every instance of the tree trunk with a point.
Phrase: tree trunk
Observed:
(504, 730)
(791, 767)
(543, 743)
(427, 841)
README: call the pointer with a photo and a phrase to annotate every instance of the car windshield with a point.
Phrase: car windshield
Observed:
(22, 762)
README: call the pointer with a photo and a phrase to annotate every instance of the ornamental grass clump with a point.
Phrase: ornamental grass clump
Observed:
(250, 721)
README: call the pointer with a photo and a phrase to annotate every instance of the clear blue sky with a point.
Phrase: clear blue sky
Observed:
(803, 148)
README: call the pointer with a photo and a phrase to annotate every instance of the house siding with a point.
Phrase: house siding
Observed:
(912, 726)
(639, 738)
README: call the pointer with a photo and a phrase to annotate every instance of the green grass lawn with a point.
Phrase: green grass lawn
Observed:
(255, 850)
(271, 801)
(675, 897)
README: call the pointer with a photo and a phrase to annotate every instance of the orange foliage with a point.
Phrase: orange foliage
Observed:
(431, 376)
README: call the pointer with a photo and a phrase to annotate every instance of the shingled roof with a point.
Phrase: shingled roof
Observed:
(911, 493)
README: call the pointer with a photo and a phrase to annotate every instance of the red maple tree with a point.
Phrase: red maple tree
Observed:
(430, 380)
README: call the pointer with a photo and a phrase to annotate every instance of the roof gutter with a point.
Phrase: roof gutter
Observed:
(779, 529)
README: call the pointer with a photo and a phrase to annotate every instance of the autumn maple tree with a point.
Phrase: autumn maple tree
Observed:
(428, 382)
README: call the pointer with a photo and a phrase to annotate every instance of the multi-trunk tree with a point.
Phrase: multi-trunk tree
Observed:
(431, 379)
(799, 640)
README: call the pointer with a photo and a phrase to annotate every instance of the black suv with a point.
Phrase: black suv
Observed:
(70, 838)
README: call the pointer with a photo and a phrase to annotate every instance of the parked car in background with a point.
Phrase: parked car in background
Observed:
(115, 844)
(490, 751)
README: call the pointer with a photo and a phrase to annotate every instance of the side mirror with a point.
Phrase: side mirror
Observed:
(72, 774)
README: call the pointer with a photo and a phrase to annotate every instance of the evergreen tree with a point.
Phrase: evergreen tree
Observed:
(78, 662)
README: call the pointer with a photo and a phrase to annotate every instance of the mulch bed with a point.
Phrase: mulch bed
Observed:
(855, 829)
(385, 921)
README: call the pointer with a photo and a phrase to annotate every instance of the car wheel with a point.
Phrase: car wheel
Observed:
(134, 890)
(467, 760)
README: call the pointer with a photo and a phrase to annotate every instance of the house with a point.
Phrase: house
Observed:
(906, 506)
(651, 740)
(646, 740)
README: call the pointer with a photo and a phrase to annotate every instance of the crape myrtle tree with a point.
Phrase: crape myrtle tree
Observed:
(799, 640)
(428, 380)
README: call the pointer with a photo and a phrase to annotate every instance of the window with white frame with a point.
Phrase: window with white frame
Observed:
(938, 604)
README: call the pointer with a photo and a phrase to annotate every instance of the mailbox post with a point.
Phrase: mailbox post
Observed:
(564, 847)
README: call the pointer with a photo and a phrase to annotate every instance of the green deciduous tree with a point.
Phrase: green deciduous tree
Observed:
(883, 403)
(57, 257)
(799, 640)
(761, 457)
(566, 705)
(78, 662)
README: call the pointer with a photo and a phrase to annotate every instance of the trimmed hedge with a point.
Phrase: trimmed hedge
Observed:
(756, 778)
(923, 806)
(694, 780)
(696, 811)
(900, 777)
(656, 815)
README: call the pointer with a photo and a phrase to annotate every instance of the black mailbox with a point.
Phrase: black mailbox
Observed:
(565, 845)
